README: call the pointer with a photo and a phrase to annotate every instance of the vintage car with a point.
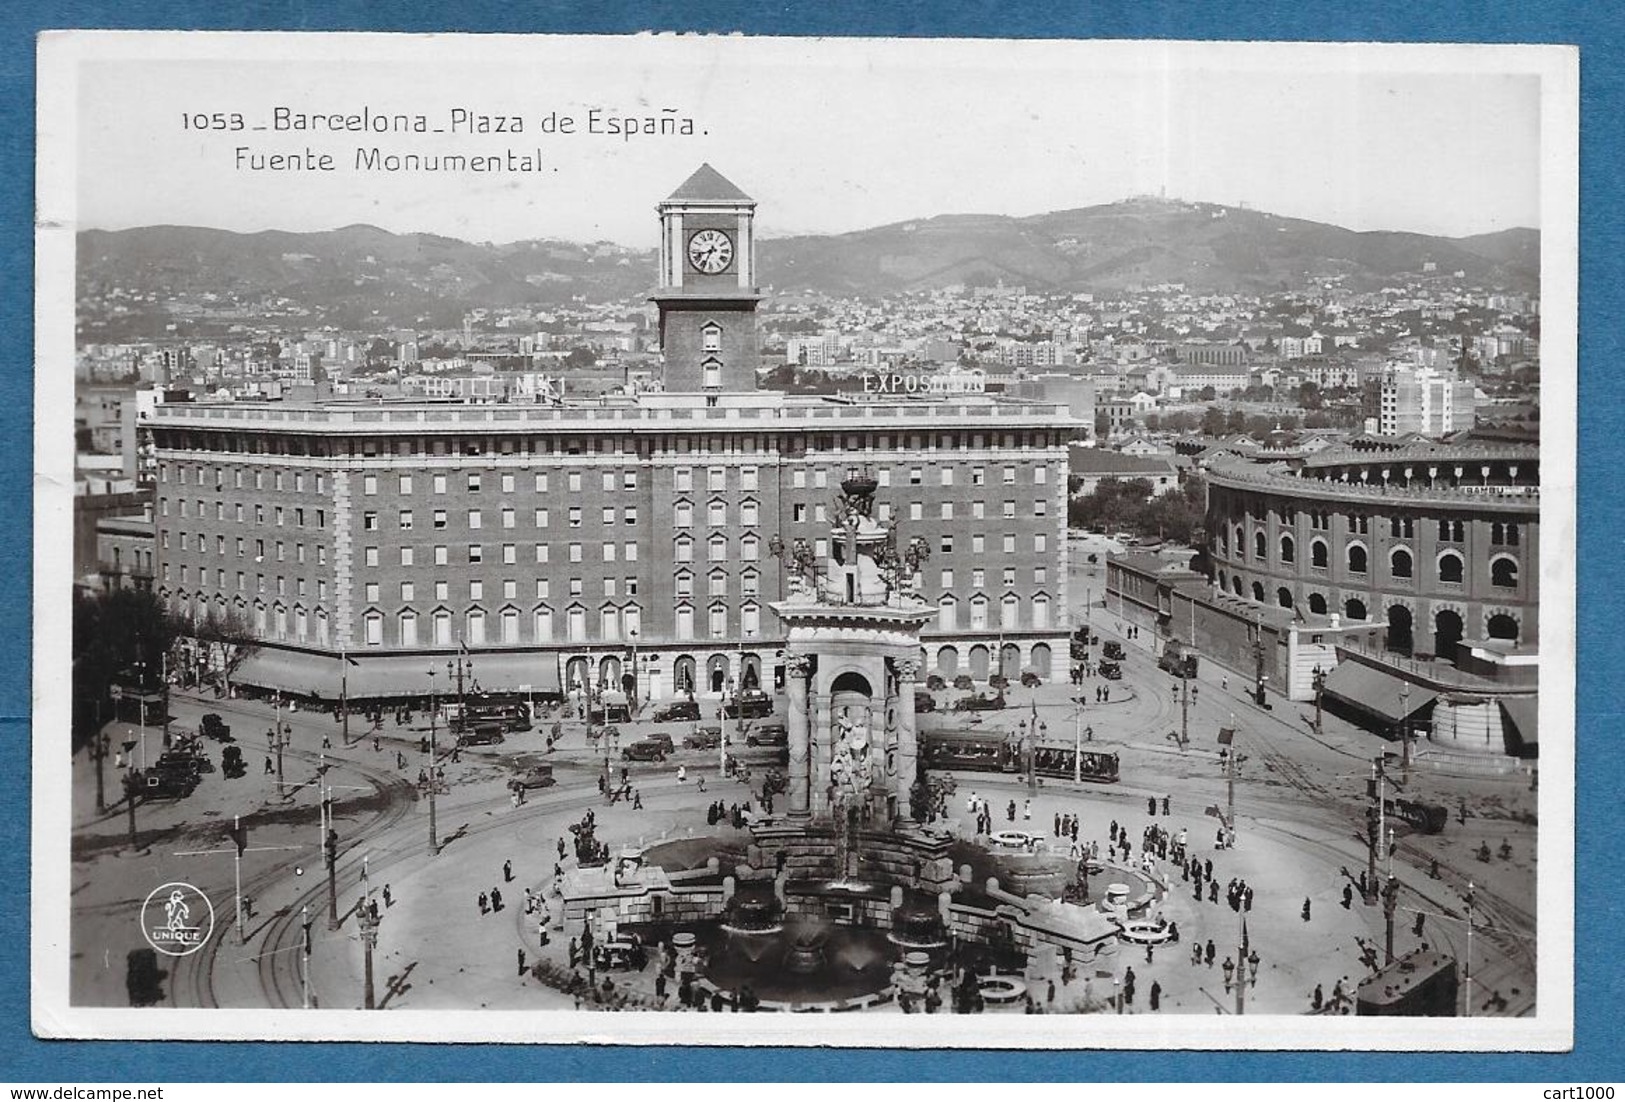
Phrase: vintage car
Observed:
(1113, 650)
(768, 734)
(979, 702)
(214, 727)
(231, 762)
(751, 704)
(678, 711)
(484, 734)
(1111, 671)
(536, 776)
(1031, 680)
(646, 749)
(704, 738)
(663, 739)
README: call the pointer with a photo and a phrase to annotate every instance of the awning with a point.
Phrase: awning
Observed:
(1523, 712)
(1377, 692)
(381, 676)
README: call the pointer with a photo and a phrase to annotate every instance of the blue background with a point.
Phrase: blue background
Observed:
(1593, 26)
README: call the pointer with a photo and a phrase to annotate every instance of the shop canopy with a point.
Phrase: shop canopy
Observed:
(382, 676)
(1377, 692)
(1523, 712)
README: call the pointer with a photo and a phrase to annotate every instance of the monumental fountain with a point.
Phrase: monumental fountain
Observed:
(842, 898)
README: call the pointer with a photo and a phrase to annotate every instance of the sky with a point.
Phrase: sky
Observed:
(828, 135)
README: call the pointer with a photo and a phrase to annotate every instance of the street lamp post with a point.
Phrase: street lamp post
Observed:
(633, 635)
(1320, 688)
(100, 743)
(132, 789)
(278, 741)
(1077, 739)
(1405, 729)
(1185, 691)
(434, 778)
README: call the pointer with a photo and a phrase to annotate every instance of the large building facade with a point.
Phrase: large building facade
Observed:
(1440, 542)
(638, 537)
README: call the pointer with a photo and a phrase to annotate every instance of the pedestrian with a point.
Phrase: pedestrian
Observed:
(1010, 812)
(1318, 999)
(1167, 801)
(1348, 898)
(1151, 806)
(507, 872)
(1148, 958)
(1026, 810)
(1210, 952)
(1156, 996)
(575, 953)
(561, 849)
(521, 962)
(496, 900)
(327, 740)
(388, 899)
(637, 800)
(682, 774)
(1212, 891)
(1114, 832)
(1196, 953)
(1247, 897)
(702, 782)
(1056, 830)
(1306, 910)
(1224, 683)
(269, 768)
(485, 903)
(376, 745)
(1207, 869)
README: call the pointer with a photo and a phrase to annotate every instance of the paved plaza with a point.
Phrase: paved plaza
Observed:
(1299, 801)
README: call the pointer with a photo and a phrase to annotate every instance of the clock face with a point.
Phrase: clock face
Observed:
(710, 251)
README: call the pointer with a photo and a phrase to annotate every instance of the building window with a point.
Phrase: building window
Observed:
(1399, 563)
(711, 371)
(369, 555)
(947, 545)
(1451, 531)
(1010, 611)
(978, 614)
(711, 338)
(369, 483)
(747, 514)
(719, 621)
(946, 511)
(1040, 610)
(476, 553)
(1318, 554)
(685, 584)
(575, 552)
(609, 552)
(750, 619)
(1504, 572)
(685, 622)
(373, 624)
(947, 614)
(749, 549)
(683, 479)
(1041, 543)
(406, 483)
(1450, 568)
(1289, 549)
(683, 551)
(684, 515)
(542, 624)
(407, 628)
(369, 521)
(716, 514)
(439, 485)
(1356, 559)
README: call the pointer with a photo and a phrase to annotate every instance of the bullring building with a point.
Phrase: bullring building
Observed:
(634, 540)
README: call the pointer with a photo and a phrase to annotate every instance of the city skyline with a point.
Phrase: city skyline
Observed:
(828, 140)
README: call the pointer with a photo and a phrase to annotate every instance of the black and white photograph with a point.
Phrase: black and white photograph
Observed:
(1039, 541)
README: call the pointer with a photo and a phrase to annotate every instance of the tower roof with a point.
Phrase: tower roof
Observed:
(707, 185)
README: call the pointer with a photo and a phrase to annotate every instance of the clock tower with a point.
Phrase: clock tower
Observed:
(707, 295)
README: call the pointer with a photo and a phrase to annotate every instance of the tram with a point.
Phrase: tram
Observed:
(977, 752)
(509, 710)
(1428, 818)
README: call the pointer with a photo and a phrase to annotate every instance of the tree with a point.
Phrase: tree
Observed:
(1103, 424)
(1213, 421)
(227, 639)
(113, 633)
(1309, 395)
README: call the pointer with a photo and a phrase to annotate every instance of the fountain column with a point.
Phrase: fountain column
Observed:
(818, 759)
(800, 736)
(907, 739)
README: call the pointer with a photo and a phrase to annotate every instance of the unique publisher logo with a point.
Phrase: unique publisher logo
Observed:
(177, 919)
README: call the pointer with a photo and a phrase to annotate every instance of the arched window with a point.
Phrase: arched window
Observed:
(1504, 572)
(1289, 549)
(1260, 546)
(1317, 554)
(1283, 597)
(1356, 558)
(1503, 626)
(1258, 592)
(1241, 543)
(1399, 563)
(1450, 568)
(1354, 609)
(1317, 603)
(1236, 584)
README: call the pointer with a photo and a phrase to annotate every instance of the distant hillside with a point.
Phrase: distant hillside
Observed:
(364, 277)
(1134, 243)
